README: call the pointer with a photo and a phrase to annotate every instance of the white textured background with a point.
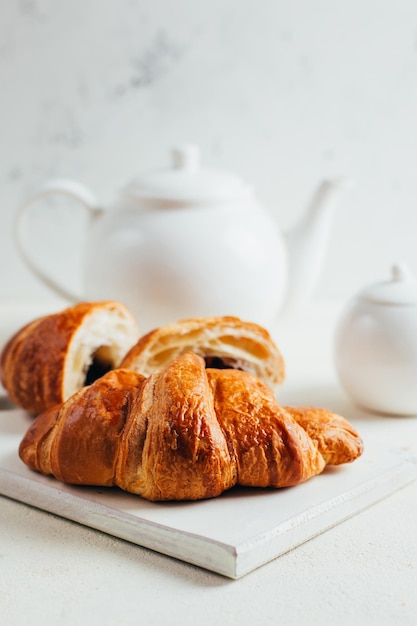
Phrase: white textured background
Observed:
(283, 93)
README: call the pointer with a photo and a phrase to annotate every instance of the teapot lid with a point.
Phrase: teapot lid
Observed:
(401, 289)
(187, 181)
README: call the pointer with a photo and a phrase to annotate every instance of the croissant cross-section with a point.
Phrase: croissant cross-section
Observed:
(224, 342)
(184, 433)
(52, 357)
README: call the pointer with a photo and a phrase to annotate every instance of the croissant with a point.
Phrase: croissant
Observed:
(223, 342)
(49, 359)
(184, 433)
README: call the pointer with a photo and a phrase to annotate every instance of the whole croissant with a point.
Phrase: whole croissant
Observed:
(184, 433)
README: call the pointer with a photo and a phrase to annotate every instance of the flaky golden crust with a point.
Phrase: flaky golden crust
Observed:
(268, 446)
(336, 439)
(224, 342)
(47, 360)
(184, 433)
(32, 364)
(77, 441)
(183, 453)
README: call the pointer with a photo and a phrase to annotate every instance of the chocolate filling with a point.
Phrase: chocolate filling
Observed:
(222, 363)
(98, 368)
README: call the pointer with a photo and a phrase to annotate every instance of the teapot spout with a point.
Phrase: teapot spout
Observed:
(307, 243)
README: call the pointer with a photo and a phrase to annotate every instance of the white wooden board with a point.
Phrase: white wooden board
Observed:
(231, 535)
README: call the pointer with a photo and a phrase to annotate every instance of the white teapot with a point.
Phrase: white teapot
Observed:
(189, 242)
(375, 345)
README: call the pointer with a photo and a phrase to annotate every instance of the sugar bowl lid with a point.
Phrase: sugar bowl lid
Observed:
(400, 289)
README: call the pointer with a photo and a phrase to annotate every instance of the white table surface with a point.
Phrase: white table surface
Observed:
(363, 571)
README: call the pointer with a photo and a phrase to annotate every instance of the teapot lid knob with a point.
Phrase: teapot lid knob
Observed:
(401, 272)
(186, 157)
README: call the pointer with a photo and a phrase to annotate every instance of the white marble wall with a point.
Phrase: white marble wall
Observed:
(283, 93)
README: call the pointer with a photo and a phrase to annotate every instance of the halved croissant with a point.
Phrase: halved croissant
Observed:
(223, 342)
(184, 433)
(49, 359)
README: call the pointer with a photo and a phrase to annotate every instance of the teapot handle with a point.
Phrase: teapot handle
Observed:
(71, 189)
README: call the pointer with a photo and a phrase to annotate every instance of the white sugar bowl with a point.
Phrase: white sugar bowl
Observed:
(375, 348)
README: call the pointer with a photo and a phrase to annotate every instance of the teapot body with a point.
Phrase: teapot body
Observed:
(188, 241)
(187, 261)
(376, 355)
